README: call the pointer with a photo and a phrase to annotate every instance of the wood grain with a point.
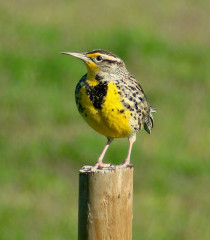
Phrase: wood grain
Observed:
(105, 204)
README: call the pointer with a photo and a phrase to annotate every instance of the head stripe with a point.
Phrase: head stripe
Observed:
(100, 51)
(107, 56)
(92, 55)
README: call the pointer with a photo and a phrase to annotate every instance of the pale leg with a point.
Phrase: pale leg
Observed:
(131, 140)
(100, 163)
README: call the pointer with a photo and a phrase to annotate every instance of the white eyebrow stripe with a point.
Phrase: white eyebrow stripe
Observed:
(110, 58)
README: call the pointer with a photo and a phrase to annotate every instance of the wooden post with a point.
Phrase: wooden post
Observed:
(105, 204)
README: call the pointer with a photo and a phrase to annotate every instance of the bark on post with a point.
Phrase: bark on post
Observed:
(105, 204)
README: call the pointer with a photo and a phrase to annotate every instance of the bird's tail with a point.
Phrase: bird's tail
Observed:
(148, 125)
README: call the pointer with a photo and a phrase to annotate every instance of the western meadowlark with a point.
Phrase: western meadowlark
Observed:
(111, 100)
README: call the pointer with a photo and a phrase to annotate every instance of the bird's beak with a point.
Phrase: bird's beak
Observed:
(81, 56)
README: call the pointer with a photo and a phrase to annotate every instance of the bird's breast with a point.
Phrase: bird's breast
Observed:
(101, 106)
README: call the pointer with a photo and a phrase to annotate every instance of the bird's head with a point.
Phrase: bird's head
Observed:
(99, 62)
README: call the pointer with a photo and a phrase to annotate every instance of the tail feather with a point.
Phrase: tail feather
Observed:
(153, 110)
(148, 125)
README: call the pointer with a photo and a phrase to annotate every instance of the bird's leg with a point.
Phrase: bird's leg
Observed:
(100, 163)
(126, 163)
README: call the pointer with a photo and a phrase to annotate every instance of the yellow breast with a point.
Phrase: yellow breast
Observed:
(112, 120)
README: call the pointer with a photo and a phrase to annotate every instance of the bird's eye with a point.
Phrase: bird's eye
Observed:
(99, 58)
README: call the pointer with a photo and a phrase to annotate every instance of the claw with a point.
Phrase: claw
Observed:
(101, 166)
(124, 165)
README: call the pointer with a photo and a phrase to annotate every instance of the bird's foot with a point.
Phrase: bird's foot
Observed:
(100, 166)
(86, 168)
(125, 164)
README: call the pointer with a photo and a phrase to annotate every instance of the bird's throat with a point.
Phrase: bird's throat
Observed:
(91, 75)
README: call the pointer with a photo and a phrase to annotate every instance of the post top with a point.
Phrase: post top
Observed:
(88, 169)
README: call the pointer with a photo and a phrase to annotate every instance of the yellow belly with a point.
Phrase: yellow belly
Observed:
(112, 120)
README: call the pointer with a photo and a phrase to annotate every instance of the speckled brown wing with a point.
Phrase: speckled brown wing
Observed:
(134, 99)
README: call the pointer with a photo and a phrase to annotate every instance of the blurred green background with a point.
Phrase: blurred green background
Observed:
(44, 141)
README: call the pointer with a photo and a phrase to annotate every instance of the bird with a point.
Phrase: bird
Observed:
(111, 101)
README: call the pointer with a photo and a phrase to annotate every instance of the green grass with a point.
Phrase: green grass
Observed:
(44, 141)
